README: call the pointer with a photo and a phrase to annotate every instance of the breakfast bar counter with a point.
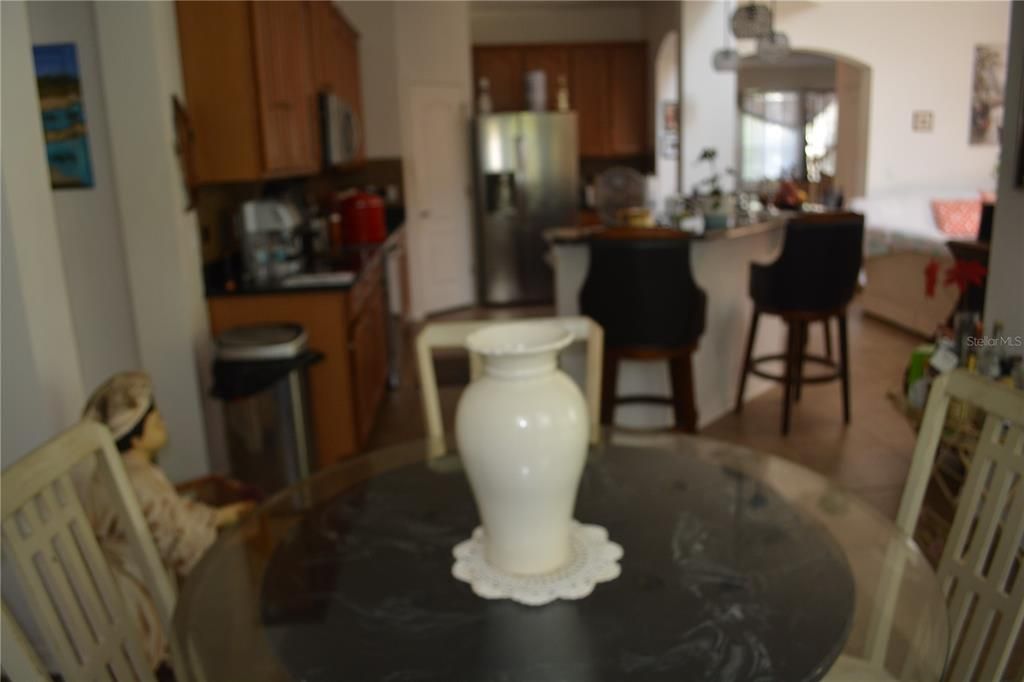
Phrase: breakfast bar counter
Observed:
(720, 260)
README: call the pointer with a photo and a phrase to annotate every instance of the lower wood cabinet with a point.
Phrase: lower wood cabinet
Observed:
(349, 327)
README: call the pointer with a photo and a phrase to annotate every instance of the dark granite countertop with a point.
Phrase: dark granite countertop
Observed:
(355, 259)
(744, 228)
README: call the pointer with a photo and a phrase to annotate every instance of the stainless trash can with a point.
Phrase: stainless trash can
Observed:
(260, 374)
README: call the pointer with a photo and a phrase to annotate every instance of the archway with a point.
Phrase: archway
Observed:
(666, 117)
(804, 118)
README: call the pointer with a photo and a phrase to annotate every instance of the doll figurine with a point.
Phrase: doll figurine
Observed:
(182, 529)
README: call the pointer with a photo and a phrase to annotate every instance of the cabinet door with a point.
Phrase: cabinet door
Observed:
(503, 66)
(589, 93)
(369, 362)
(554, 61)
(283, 67)
(349, 81)
(628, 99)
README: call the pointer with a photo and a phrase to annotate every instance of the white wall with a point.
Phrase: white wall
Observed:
(556, 22)
(378, 66)
(1005, 290)
(921, 56)
(40, 329)
(87, 222)
(708, 112)
(139, 58)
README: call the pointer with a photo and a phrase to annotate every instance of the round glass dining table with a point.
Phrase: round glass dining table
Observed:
(737, 566)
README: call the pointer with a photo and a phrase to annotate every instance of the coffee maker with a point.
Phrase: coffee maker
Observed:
(270, 235)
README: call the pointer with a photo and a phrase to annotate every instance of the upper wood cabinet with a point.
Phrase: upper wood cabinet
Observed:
(552, 60)
(335, 54)
(503, 68)
(252, 71)
(607, 89)
(285, 85)
(628, 100)
(589, 95)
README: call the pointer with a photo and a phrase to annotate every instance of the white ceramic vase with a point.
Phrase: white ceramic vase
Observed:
(522, 428)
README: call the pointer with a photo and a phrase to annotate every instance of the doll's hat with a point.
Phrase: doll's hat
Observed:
(121, 403)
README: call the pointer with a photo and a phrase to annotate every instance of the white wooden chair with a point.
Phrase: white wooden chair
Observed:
(68, 582)
(453, 335)
(985, 545)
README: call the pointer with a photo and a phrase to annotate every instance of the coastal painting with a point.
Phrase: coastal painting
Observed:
(987, 94)
(60, 98)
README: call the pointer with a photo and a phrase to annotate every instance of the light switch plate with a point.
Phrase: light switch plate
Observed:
(922, 121)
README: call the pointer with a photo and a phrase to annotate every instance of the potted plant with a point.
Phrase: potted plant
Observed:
(715, 204)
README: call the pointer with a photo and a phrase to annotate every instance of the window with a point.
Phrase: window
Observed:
(787, 135)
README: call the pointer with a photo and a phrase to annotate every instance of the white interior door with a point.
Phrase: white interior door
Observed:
(438, 210)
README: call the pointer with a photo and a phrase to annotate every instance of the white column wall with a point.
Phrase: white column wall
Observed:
(139, 58)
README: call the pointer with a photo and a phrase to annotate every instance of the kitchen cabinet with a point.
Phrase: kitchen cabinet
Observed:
(627, 100)
(252, 71)
(608, 89)
(552, 60)
(589, 96)
(287, 99)
(503, 67)
(335, 55)
(347, 387)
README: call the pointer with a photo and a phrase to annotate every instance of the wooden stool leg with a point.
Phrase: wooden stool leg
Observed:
(683, 404)
(844, 366)
(792, 332)
(609, 381)
(801, 345)
(745, 368)
(828, 337)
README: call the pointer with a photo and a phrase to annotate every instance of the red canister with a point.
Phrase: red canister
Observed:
(363, 218)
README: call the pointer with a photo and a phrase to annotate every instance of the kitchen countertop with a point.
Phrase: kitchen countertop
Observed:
(356, 259)
(573, 235)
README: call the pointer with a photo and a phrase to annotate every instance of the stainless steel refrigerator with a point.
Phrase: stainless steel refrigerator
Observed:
(527, 180)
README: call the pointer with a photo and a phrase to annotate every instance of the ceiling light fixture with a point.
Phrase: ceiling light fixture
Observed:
(773, 48)
(725, 59)
(752, 21)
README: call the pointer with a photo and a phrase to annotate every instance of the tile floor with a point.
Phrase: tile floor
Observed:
(871, 456)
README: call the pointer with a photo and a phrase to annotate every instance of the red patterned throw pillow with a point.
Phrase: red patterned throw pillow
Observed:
(960, 218)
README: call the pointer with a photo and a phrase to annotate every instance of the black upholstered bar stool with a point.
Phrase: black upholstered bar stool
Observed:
(640, 289)
(813, 280)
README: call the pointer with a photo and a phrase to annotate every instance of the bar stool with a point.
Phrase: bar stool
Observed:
(640, 289)
(813, 280)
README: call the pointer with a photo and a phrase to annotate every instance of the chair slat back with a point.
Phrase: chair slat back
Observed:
(67, 578)
(436, 335)
(983, 558)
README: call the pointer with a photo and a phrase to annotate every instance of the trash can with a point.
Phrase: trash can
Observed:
(260, 373)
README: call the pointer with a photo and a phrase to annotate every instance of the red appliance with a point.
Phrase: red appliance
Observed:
(362, 216)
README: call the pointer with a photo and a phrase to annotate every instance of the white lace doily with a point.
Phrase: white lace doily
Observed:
(595, 559)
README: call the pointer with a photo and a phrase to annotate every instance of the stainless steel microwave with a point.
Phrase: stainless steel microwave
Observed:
(340, 130)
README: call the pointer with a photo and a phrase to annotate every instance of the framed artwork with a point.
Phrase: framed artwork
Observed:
(60, 98)
(668, 141)
(988, 94)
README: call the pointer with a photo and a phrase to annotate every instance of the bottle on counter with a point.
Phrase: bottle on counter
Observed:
(483, 98)
(562, 98)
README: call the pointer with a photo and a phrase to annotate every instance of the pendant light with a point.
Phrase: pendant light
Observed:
(725, 59)
(773, 47)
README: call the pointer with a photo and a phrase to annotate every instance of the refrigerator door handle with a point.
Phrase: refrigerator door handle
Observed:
(518, 176)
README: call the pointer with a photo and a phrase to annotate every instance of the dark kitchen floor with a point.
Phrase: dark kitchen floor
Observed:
(871, 456)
